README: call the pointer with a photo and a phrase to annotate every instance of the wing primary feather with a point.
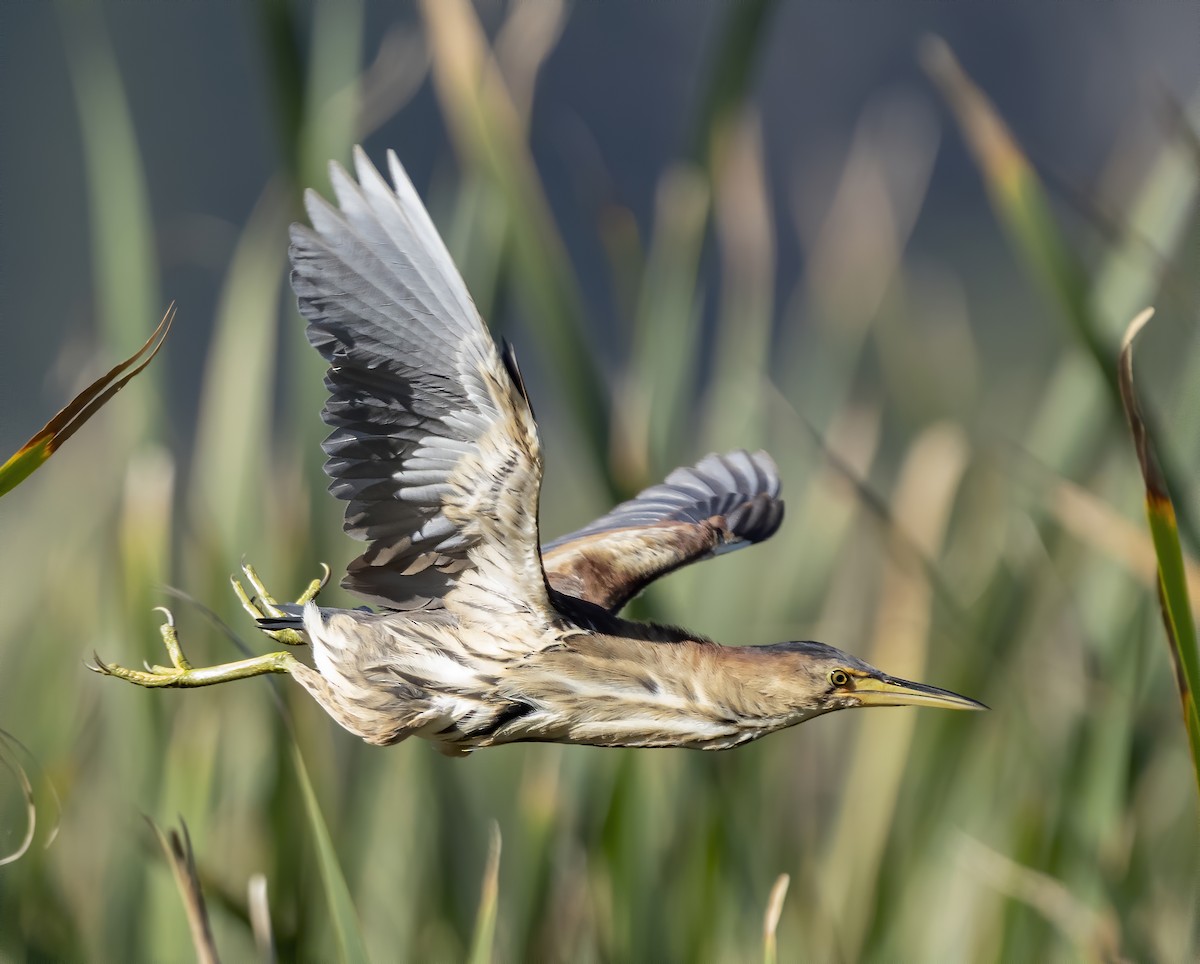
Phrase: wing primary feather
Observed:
(715, 486)
(508, 354)
(432, 441)
(720, 504)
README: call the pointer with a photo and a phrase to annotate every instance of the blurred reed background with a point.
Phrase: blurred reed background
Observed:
(704, 227)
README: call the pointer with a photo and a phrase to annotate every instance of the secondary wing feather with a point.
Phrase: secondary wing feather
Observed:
(722, 503)
(434, 445)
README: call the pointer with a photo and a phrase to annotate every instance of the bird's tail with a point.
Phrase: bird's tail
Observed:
(293, 617)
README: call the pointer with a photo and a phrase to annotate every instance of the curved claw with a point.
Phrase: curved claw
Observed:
(182, 673)
(153, 675)
(248, 604)
(314, 588)
(325, 573)
(262, 604)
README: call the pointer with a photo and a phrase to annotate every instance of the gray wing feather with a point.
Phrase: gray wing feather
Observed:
(722, 503)
(433, 446)
(739, 487)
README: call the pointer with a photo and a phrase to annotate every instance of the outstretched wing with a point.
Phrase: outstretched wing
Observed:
(721, 503)
(434, 445)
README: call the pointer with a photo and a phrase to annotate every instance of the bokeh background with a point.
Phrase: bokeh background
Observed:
(704, 226)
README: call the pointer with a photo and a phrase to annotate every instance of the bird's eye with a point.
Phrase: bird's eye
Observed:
(838, 678)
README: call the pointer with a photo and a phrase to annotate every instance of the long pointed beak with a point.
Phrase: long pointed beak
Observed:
(889, 691)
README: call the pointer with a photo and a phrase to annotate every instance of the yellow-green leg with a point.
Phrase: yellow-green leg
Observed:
(263, 604)
(181, 672)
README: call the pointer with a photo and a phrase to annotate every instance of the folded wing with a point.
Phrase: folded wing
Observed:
(434, 445)
(722, 503)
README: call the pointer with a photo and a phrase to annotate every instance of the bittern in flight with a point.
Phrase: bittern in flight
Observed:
(485, 637)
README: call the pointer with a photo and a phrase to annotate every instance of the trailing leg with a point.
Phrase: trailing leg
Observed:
(182, 673)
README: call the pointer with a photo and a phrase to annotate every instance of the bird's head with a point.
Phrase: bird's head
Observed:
(822, 679)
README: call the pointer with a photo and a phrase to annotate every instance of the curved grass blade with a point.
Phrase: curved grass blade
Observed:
(10, 763)
(483, 944)
(1172, 574)
(1095, 931)
(177, 845)
(487, 132)
(82, 407)
(1023, 210)
(1017, 197)
(279, 28)
(771, 918)
(351, 946)
(260, 918)
(735, 61)
(11, 749)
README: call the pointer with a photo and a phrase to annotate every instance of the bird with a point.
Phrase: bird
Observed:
(483, 636)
